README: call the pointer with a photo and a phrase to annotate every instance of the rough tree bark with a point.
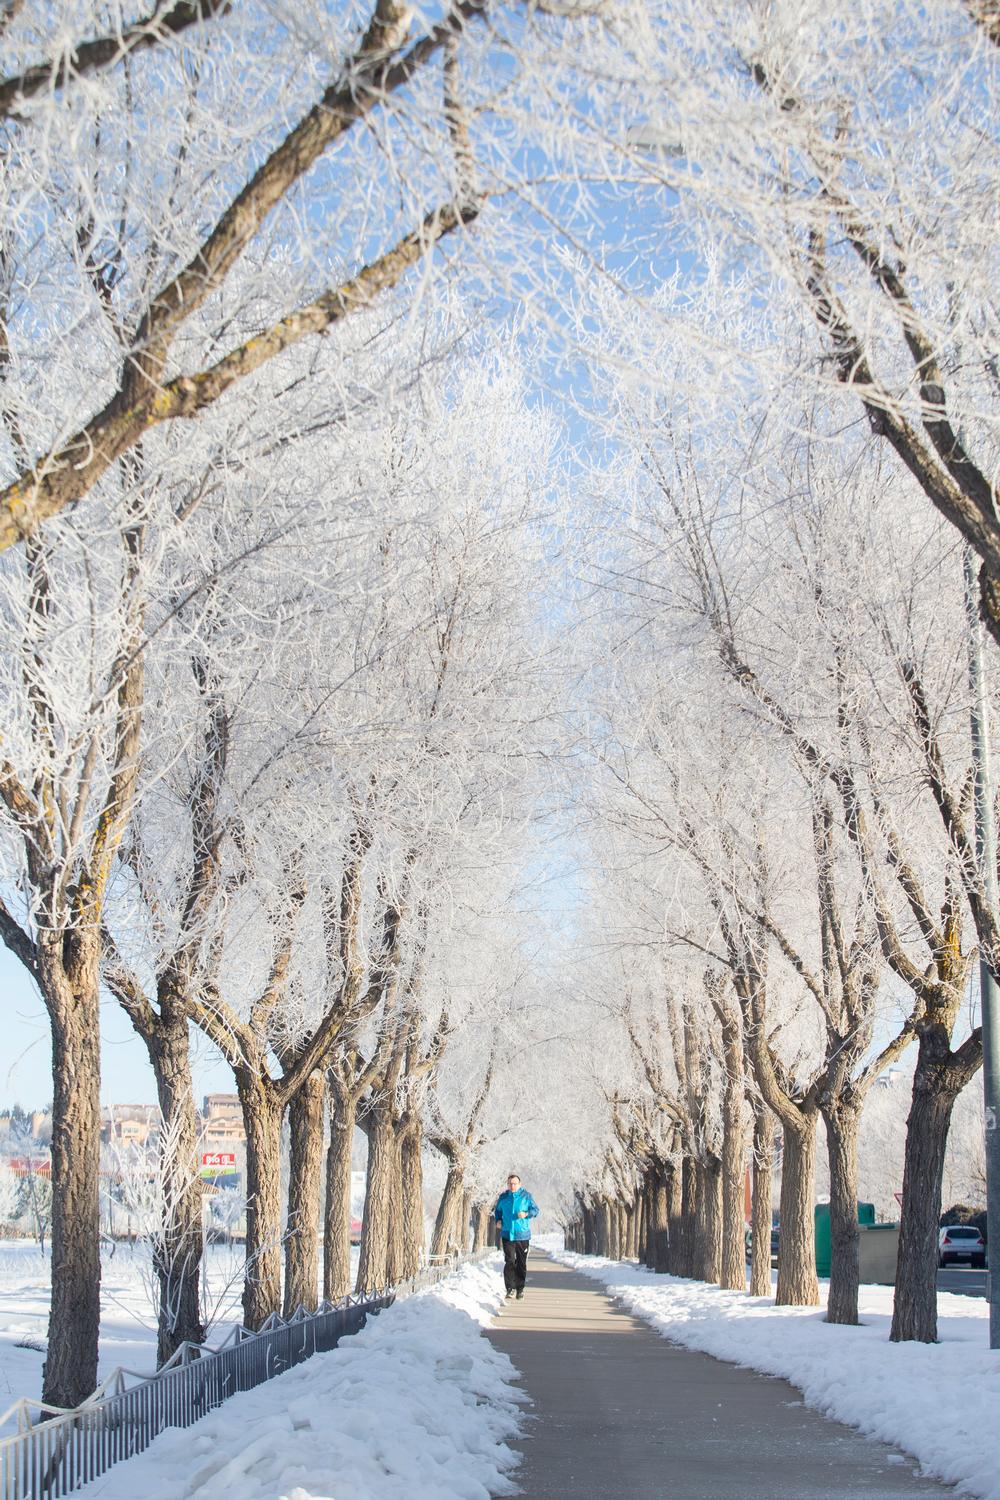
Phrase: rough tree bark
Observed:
(395, 1253)
(622, 1229)
(412, 1167)
(708, 1265)
(305, 1120)
(842, 1121)
(604, 1227)
(761, 1195)
(634, 1227)
(483, 1222)
(682, 1260)
(675, 1217)
(380, 1181)
(797, 1282)
(68, 975)
(590, 1230)
(445, 1236)
(660, 1226)
(733, 1271)
(263, 1110)
(939, 1078)
(337, 1212)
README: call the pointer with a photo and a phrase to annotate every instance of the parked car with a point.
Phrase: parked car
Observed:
(961, 1242)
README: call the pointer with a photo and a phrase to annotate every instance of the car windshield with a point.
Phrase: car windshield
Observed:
(963, 1234)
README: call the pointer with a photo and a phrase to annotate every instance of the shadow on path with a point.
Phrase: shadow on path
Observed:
(619, 1411)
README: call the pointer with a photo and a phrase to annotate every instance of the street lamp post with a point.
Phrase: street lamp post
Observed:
(989, 991)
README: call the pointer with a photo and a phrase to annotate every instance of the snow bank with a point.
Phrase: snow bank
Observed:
(417, 1406)
(938, 1401)
(128, 1310)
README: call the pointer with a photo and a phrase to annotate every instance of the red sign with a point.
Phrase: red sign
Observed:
(218, 1163)
(899, 1198)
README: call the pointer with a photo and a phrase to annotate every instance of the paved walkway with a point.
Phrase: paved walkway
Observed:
(619, 1411)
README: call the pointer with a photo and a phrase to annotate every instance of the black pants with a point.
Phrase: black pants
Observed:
(515, 1263)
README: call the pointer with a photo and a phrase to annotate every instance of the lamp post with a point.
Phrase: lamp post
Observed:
(986, 853)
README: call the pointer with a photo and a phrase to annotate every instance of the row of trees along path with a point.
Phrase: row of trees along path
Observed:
(279, 686)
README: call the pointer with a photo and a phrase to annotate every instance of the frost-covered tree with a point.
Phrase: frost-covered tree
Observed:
(191, 249)
(834, 154)
(724, 551)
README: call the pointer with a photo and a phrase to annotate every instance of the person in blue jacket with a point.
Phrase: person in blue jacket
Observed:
(514, 1211)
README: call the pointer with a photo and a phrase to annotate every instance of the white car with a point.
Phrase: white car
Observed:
(961, 1242)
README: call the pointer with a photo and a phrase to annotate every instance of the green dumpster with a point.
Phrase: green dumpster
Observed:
(821, 1213)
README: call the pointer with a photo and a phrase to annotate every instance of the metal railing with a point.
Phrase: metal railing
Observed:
(55, 1451)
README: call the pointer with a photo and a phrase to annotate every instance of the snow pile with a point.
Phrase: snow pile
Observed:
(938, 1401)
(417, 1406)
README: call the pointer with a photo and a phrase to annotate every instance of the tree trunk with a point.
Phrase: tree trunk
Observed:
(620, 1229)
(305, 1121)
(659, 1224)
(481, 1238)
(178, 1254)
(709, 1266)
(761, 1192)
(604, 1228)
(646, 1251)
(647, 1248)
(635, 1227)
(395, 1257)
(683, 1260)
(412, 1185)
(262, 1122)
(373, 1265)
(68, 977)
(842, 1121)
(914, 1314)
(733, 1270)
(591, 1236)
(675, 1217)
(449, 1208)
(797, 1283)
(337, 1217)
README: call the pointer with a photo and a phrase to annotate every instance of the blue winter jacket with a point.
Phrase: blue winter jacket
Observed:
(506, 1211)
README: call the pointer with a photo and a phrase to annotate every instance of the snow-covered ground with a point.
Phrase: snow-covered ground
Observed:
(417, 1406)
(939, 1402)
(128, 1319)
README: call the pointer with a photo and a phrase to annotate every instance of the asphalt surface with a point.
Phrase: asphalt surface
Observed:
(619, 1411)
(962, 1279)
